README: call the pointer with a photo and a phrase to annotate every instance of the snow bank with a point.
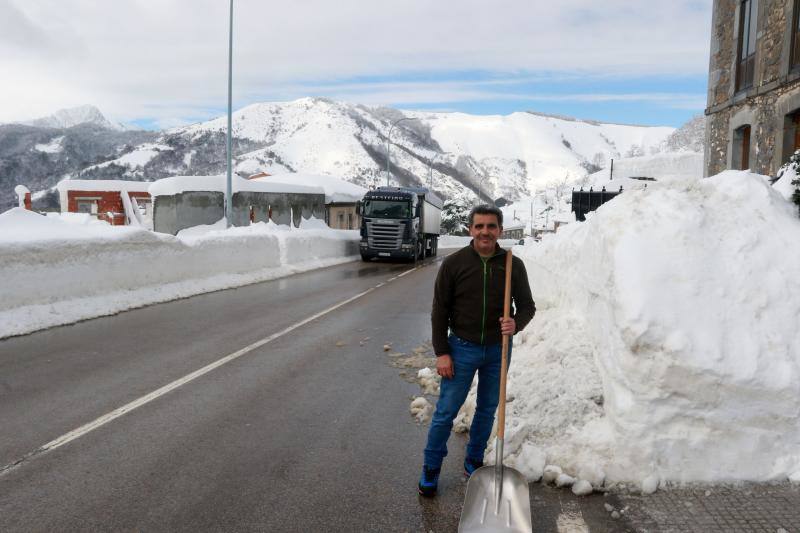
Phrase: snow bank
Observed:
(784, 184)
(663, 167)
(180, 184)
(666, 346)
(57, 272)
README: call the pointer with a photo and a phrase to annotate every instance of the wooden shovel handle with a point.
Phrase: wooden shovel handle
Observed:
(501, 410)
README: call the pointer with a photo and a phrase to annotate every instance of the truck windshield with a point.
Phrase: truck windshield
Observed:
(387, 209)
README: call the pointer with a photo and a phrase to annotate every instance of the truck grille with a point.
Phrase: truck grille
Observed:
(385, 235)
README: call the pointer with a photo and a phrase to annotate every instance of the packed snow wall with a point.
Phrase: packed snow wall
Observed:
(666, 345)
(55, 272)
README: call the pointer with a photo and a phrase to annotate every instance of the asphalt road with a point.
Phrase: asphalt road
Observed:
(309, 432)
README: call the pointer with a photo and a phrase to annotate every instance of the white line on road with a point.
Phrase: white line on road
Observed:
(127, 408)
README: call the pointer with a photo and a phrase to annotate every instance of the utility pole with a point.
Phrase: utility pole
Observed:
(388, 142)
(229, 185)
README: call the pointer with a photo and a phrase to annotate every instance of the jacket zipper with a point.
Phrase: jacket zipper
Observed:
(483, 315)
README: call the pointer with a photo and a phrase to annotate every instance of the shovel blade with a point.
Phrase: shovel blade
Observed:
(480, 505)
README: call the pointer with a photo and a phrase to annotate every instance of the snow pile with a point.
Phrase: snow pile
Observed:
(666, 346)
(670, 166)
(784, 184)
(58, 270)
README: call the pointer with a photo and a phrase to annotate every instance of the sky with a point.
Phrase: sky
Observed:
(164, 63)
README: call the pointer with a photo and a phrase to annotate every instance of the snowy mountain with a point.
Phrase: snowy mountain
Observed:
(67, 118)
(462, 155)
(495, 156)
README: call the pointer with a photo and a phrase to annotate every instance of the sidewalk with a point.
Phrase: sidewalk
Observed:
(745, 508)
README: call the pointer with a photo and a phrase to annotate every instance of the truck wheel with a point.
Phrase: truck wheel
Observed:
(435, 246)
(420, 250)
(365, 257)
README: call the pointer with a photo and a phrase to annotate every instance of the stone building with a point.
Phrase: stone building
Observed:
(754, 85)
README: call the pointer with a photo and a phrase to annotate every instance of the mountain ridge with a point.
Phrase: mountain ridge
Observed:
(462, 156)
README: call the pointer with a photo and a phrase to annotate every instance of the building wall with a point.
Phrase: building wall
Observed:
(774, 94)
(174, 213)
(109, 204)
(342, 216)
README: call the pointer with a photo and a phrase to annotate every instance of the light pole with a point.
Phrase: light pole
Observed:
(430, 166)
(229, 182)
(480, 187)
(388, 142)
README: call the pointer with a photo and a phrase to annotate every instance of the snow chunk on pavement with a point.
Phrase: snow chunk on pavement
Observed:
(428, 381)
(650, 485)
(564, 480)
(582, 488)
(421, 409)
(551, 473)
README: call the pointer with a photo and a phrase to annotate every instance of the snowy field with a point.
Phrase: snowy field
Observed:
(666, 345)
(61, 269)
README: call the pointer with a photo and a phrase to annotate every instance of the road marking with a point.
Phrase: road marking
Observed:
(127, 408)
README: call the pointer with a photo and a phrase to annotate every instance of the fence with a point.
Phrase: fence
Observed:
(586, 201)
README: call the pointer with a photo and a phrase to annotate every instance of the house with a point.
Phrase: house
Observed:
(753, 113)
(182, 202)
(341, 196)
(117, 202)
(515, 230)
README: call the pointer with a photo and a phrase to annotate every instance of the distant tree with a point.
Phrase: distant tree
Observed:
(454, 217)
(635, 151)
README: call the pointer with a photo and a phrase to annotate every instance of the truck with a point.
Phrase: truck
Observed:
(400, 223)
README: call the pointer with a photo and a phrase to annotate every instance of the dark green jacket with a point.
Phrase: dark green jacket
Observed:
(468, 298)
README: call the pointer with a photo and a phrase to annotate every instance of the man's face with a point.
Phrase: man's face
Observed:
(485, 231)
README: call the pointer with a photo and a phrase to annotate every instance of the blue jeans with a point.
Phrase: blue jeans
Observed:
(468, 358)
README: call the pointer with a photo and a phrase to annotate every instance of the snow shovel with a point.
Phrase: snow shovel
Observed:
(497, 497)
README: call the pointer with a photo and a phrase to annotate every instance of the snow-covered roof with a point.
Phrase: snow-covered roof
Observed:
(180, 184)
(663, 167)
(514, 226)
(102, 185)
(336, 189)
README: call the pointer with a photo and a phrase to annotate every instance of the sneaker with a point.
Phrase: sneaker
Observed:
(471, 465)
(429, 481)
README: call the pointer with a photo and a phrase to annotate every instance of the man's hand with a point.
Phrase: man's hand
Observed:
(444, 366)
(508, 326)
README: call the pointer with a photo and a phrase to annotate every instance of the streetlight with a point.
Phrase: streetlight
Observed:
(229, 182)
(480, 187)
(430, 166)
(388, 142)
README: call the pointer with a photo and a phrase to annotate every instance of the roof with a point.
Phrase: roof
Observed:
(103, 185)
(337, 190)
(180, 184)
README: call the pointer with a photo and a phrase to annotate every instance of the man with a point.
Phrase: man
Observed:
(468, 300)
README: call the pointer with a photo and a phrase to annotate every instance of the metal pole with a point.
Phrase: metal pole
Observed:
(388, 142)
(611, 176)
(532, 199)
(229, 186)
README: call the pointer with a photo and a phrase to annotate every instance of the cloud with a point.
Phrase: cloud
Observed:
(137, 57)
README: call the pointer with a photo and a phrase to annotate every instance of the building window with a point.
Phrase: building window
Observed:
(340, 221)
(349, 220)
(745, 66)
(791, 134)
(87, 205)
(796, 35)
(741, 148)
